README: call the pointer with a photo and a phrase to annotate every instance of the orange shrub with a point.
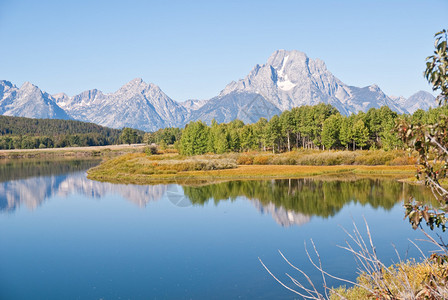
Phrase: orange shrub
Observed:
(245, 160)
(261, 160)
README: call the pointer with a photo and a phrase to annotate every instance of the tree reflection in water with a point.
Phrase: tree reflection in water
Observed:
(288, 201)
(294, 201)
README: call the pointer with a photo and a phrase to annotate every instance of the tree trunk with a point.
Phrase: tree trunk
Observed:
(297, 140)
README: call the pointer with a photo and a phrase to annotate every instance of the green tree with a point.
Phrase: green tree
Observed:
(287, 123)
(360, 134)
(273, 132)
(346, 133)
(194, 138)
(248, 138)
(260, 133)
(128, 135)
(330, 131)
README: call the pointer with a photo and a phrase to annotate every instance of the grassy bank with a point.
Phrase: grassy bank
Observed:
(426, 279)
(93, 151)
(141, 168)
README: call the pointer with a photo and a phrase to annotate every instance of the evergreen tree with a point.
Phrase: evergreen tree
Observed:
(194, 138)
(128, 136)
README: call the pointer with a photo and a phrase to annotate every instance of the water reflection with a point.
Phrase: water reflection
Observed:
(32, 192)
(15, 169)
(295, 201)
(288, 201)
(281, 215)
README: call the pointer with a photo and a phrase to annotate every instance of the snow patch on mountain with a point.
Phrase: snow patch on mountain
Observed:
(288, 79)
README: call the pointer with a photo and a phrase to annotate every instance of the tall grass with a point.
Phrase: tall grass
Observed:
(132, 164)
(328, 158)
(427, 279)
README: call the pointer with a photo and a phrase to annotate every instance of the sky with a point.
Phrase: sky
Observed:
(193, 49)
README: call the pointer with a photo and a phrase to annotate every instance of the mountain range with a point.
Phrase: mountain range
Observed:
(288, 79)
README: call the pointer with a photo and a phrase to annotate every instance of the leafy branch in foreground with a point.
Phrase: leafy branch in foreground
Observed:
(431, 143)
(405, 280)
(436, 66)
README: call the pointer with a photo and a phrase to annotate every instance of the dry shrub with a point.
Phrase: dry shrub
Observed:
(282, 160)
(196, 165)
(261, 160)
(328, 158)
(427, 279)
(170, 150)
(402, 161)
(373, 158)
(152, 149)
(245, 160)
(423, 280)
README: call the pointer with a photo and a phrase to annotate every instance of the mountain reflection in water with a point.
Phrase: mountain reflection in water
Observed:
(288, 201)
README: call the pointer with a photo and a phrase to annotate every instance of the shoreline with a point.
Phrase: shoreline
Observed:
(109, 150)
(133, 170)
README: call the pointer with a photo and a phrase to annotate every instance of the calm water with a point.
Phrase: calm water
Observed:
(63, 236)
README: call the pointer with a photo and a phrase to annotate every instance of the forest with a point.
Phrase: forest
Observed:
(309, 127)
(26, 133)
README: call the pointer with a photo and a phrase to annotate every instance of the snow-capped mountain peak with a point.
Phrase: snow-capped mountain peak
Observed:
(288, 79)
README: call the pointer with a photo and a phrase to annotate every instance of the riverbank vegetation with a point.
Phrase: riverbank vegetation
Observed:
(307, 127)
(143, 168)
(79, 152)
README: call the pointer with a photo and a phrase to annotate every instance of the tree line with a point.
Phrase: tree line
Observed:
(27, 133)
(309, 127)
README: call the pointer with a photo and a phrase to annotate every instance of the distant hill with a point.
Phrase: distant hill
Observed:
(27, 133)
(28, 126)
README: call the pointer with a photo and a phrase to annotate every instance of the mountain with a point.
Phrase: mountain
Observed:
(28, 101)
(193, 104)
(136, 104)
(288, 79)
(248, 107)
(420, 100)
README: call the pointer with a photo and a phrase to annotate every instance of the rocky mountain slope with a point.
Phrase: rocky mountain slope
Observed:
(288, 79)
(136, 104)
(420, 100)
(28, 101)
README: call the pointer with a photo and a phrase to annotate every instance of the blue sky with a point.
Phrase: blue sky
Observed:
(192, 49)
